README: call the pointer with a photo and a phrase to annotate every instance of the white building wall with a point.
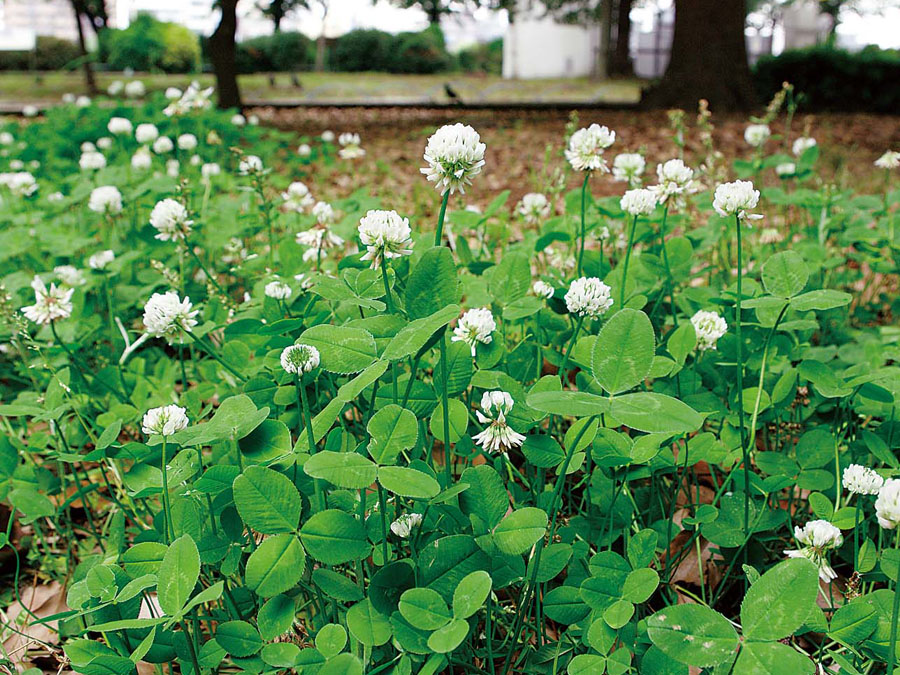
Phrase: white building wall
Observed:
(538, 48)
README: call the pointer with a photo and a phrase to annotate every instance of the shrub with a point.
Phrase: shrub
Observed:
(420, 53)
(50, 53)
(148, 44)
(482, 58)
(361, 50)
(277, 52)
(834, 79)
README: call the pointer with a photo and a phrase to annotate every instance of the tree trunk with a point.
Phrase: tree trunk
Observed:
(89, 80)
(708, 59)
(221, 53)
(620, 64)
(320, 52)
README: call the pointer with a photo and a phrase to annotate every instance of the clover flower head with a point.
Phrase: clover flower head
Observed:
(319, 239)
(350, 146)
(802, 144)
(497, 436)
(105, 142)
(135, 89)
(172, 167)
(164, 421)
(141, 159)
(170, 218)
(709, 327)
(187, 141)
(105, 199)
(542, 289)
(115, 87)
(299, 359)
(210, 169)
(120, 126)
(533, 208)
(70, 275)
(770, 235)
(861, 480)
(50, 304)
(757, 134)
(278, 290)
(889, 160)
(193, 98)
(475, 326)
(146, 133)
(638, 202)
(405, 524)
(297, 196)
(887, 504)
(30, 111)
(817, 537)
(327, 136)
(385, 234)
(588, 297)
(162, 145)
(166, 315)
(238, 120)
(304, 150)
(586, 146)
(736, 199)
(455, 155)
(323, 212)
(91, 160)
(250, 165)
(83, 101)
(6, 138)
(173, 93)
(101, 259)
(785, 169)
(19, 183)
(628, 167)
(676, 180)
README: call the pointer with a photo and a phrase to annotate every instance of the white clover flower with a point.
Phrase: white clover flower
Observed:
(817, 538)
(676, 181)
(770, 235)
(297, 197)
(162, 145)
(638, 202)
(319, 239)
(327, 136)
(306, 282)
(304, 150)
(736, 199)
(172, 168)
(30, 111)
(101, 260)
(861, 480)
(350, 148)
(50, 304)
(166, 315)
(105, 199)
(135, 89)
(173, 93)
(278, 290)
(238, 120)
(709, 327)
(141, 160)
(164, 421)
(68, 97)
(533, 208)
(802, 144)
(405, 524)
(628, 167)
(588, 297)
(91, 161)
(115, 87)
(253, 120)
(187, 141)
(170, 218)
(83, 102)
(559, 260)
(385, 234)
(120, 126)
(497, 436)
(757, 134)
(195, 160)
(889, 160)
(251, 164)
(194, 98)
(104, 142)
(475, 326)
(87, 146)
(207, 171)
(586, 146)
(299, 359)
(19, 183)
(324, 213)
(16, 164)
(55, 196)
(455, 155)
(542, 289)
(887, 504)
(785, 169)
(70, 275)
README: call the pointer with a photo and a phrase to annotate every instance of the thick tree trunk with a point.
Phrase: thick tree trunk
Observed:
(221, 53)
(708, 60)
(320, 52)
(620, 64)
(88, 69)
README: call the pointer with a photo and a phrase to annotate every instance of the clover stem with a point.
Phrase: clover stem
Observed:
(745, 451)
(584, 186)
(310, 437)
(562, 369)
(670, 281)
(168, 530)
(445, 404)
(627, 259)
(892, 650)
(382, 507)
(438, 233)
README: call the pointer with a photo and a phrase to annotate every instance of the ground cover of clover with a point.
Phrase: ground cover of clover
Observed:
(639, 419)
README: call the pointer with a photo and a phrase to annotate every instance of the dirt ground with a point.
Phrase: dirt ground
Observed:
(519, 142)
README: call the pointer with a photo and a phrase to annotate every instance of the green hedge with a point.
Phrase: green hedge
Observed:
(151, 45)
(276, 53)
(50, 53)
(375, 50)
(482, 58)
(833, 79)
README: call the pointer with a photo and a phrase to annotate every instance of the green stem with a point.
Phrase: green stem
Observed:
(169, 532)
(892, 650)
(387, 288)
(670, 281)
(212, 352)
(627, 259)
(209, 276)
(445, 405)
(562, 369)
(584, 185)
(310, 437)
(745, 451)
(382, 507)
(438, 233)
